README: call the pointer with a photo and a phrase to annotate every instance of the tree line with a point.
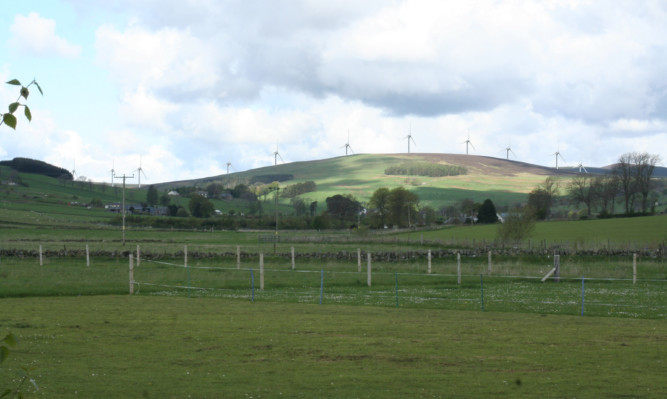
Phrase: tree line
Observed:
(425, 169)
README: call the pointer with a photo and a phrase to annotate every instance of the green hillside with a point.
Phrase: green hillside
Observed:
(506, 182)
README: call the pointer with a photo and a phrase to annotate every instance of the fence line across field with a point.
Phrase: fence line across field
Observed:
(523, 277)
(375, 295)
(555, 271)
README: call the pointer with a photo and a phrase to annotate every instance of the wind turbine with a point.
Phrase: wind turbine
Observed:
(409, 137)
(581, 166)
(557, 154)
(140, 171)
(508, 150)
(113, 171)
(276, 155)
(228, 165)
(347, 145)
(468, 142)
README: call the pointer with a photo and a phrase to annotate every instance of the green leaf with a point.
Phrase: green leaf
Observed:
(5, 393)
(14, 82)
(25, 92)
(27, 113)
(9, 120)
(10, 340)
(13, 107)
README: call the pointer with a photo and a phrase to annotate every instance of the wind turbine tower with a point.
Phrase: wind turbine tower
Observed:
(228, 165)
(468, 142)
(508, 150)
(140, 171)
(276, 155)
(409, 138)
(347, 145)
(581, 166)
(557, 154)
(74, 169)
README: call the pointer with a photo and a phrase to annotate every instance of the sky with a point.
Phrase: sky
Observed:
(184, 87)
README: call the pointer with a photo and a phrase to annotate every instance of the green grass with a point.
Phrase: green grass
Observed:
(513, 285)
(157, 347)
(621, 232)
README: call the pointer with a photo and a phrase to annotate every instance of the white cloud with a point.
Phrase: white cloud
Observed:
(37, 35)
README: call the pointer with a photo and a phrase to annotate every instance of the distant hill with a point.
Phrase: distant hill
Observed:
(27, 165)
(503, 180)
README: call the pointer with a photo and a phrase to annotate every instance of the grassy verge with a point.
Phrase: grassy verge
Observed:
(122, 346)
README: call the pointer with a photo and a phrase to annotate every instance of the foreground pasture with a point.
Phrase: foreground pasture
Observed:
(162, 347)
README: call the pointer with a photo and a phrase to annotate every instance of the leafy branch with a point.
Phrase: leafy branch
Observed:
(5, 343)
(8, 118)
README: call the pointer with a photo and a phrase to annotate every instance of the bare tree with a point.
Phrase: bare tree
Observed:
(582, 190)
(624, 176)
(633, 172)
(644, 165)
(606, 188)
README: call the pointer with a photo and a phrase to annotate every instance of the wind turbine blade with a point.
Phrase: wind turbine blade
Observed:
(473, 147)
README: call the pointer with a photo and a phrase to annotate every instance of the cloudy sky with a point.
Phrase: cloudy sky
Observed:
(189, 85)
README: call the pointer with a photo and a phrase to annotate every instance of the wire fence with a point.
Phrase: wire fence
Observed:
(337, 284)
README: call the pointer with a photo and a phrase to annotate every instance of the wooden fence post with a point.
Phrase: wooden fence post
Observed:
(185, 256)
(131, 275)
(238, 257)
(359, 260)
(293, 265)
(138, 256)
(368, 279)
(41, 260)
(634, 268)
(261, 271)
(458, 267)
(429, 261)
(490, 267)
(557, 268)
(87, 256)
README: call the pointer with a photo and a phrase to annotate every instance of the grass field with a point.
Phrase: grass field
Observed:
(157, 347)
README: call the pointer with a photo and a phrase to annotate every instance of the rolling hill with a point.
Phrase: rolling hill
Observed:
(505, 181)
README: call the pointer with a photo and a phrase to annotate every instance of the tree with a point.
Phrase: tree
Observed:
(214, 190)
(582, 189)
(541, 198)
(379, 204)
(402, 205)
(152, 195)
(8, 118)
(343, 207)
(606, 188)
(644, 165)
(518, 225)
(487, 212)
(200, 207)
(623, 173)
(165, 199)
(313, 208)
(299, 206)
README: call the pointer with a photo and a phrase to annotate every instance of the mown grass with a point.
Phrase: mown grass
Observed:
(158, 347)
